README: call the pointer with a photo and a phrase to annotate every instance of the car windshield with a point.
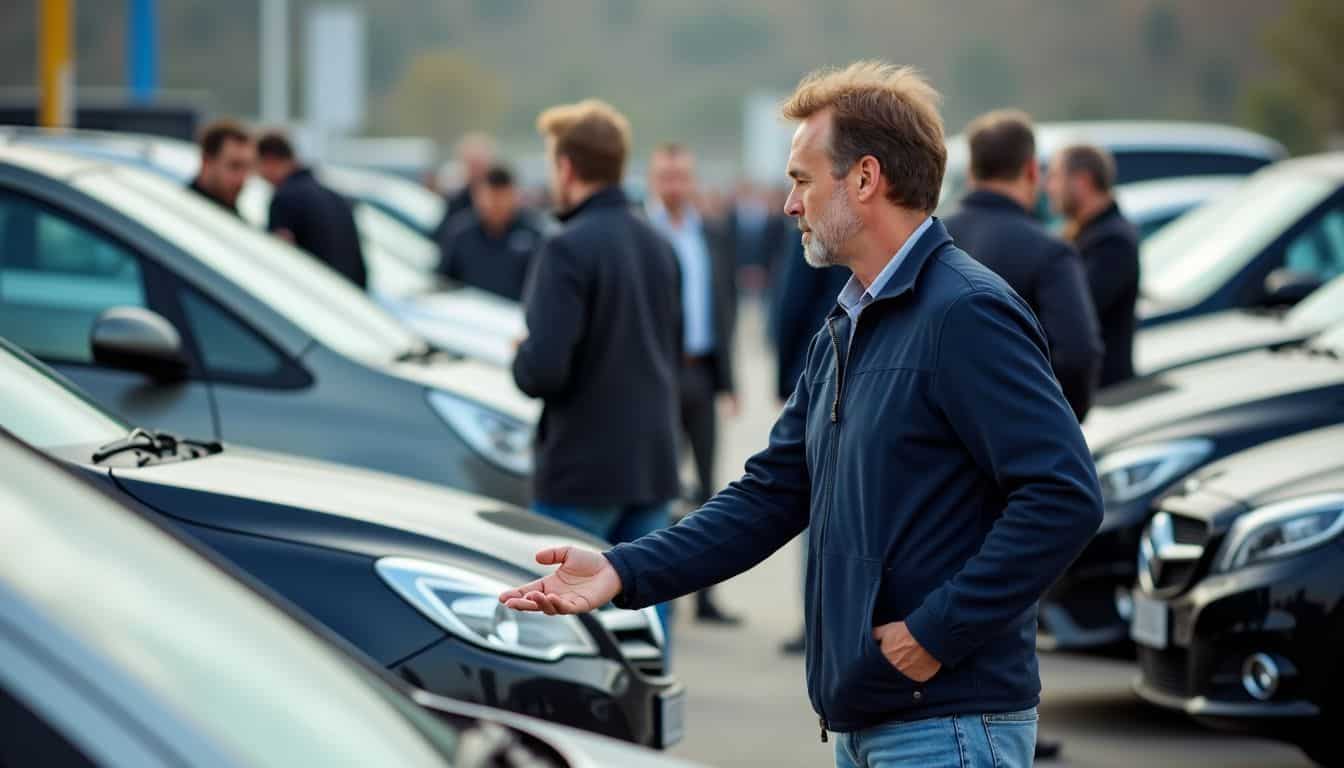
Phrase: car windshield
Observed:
(269, 691)
(1190, 258)
(44, 412)
(292, 283)
(421, 207)
(1324, 307)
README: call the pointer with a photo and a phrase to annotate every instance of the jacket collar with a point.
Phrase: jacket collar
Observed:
(1104, 216)
(984, 198)
(907, 274)
(607, 197)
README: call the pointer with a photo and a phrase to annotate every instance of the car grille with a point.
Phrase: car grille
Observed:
(1188, 530)
(640, 644)
(1167, 671)
(1170, 553)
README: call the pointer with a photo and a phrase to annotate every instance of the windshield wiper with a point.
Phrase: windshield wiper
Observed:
(156, 445)
(425, 353)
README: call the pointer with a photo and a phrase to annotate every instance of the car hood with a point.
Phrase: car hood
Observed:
(1304, 464)
(472, 308)
(448, 334)
(1204, 338)
(487, 384)
(580, 749)
(337, 506)
(1154, 403)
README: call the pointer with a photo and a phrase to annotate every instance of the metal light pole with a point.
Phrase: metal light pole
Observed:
(274, 86)
(55, 63)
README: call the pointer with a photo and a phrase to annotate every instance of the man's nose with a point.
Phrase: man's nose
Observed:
(793, 206)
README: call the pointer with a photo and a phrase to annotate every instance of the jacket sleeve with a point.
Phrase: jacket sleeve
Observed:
(1064, 307)
(1113, 266)
(993, 386)
(733, 531)
(557, 319)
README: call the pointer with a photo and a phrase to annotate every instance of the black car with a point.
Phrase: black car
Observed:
(1268, 243)
(406, 571)
(1150, 433)
(1239, 613)
(123, 643)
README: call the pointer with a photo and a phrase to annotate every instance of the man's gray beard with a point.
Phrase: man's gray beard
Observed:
(821, 251)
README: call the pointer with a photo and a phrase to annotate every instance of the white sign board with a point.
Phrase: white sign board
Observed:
(334, 82)
(765, 138)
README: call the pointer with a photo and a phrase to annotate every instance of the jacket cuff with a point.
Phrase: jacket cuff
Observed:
(929, 626)
(627, 598)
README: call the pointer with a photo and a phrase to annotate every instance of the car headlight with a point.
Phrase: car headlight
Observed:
(467, 605)
(502, 440)
(1282, 529)
(1131, 473)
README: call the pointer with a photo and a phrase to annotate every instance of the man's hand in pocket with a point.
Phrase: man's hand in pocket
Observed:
(905, 653)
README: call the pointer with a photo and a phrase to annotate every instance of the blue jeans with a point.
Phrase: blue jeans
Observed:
(1004, 740)
(615, 524)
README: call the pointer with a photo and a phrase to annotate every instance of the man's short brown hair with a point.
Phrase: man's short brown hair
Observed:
(1002, 143)
(215, 135)
(885, 111)
(593, 135)
(1092, 161)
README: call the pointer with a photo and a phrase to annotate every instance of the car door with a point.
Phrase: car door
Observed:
(58, 273)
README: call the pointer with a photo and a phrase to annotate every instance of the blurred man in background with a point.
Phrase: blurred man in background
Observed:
(994, 224)
(760, 239)
(1080, 181)
(709, 316)
(227, 159)
(308, 214)
(474, 155)
(491, 245)
(604, 348)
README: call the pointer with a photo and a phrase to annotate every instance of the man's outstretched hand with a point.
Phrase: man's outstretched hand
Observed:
(584, 582)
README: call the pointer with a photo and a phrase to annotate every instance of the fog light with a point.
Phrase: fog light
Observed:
(1260, 676)
(1124, 603)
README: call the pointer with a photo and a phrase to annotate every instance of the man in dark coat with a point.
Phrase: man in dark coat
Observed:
(604, 349)
(491, 245)
(308, 214)
(1080, 181)
(759, 238)
(709, 317)
(994, 225)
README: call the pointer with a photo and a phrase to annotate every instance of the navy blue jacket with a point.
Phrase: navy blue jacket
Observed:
(1109, 245)
(947, 485)
(1048, 274)
(604, 353)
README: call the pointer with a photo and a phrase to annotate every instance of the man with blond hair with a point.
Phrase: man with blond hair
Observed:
(604, 348)
(945, 478)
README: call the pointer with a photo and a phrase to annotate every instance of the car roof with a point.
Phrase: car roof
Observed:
(1153, 134)
(58, 165)
(1179, 192)
(1328, 165)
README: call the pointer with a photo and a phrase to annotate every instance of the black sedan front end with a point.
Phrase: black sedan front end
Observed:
(1239, 612)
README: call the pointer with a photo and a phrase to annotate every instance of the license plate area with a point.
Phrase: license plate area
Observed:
(1151, 623)
(671, 718)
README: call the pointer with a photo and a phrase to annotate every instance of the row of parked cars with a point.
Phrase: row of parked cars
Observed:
(150, 336)
(1220, 559)
(376, 510)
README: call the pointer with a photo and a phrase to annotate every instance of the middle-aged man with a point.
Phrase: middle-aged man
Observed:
(709, 317)
(227, 159)
(994, 224)
(1080, 180)
(944, 475)
(491, 245)
(308, 214)
(603, 349)
(474, 155)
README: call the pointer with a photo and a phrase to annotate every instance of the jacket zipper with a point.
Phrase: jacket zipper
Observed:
(830, 477)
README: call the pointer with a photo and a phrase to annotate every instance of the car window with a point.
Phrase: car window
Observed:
(1147, 228)
(227, 347)
(1192, 257)
(30, 740)
(1143, 165)
(315, 298)
(44, 412)
(1319, 250)
(254, 680)
(56, 277)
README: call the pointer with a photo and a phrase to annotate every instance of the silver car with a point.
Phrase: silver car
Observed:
(178, 316)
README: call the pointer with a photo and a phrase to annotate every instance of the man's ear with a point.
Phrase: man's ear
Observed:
(870, 178)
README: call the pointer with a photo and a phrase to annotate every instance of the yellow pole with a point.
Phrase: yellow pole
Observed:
(56, 66)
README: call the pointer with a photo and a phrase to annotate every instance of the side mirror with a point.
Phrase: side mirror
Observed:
(135, 339)
(1285, 287)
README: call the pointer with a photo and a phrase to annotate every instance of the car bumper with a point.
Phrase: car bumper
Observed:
(595, 694)
(1079, 611)
(1224, 619)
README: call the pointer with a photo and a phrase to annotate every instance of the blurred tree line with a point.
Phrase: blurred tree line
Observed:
(682, 68)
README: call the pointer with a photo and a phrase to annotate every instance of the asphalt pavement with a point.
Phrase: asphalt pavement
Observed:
(748, 706)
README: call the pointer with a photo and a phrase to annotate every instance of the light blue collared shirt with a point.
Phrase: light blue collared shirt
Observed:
(854, 298)
(697, 287)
